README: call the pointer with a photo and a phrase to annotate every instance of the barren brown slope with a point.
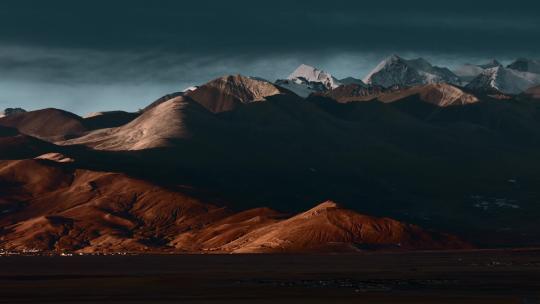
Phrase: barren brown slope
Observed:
(14, 145)
(168, 121)
(162, 100)
(216, 236)
(328, 227)
(228, 92)
(49, 124)
(51, 206)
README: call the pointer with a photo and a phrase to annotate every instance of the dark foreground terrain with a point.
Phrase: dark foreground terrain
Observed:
(510, 276)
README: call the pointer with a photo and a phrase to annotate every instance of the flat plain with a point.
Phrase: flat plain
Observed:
(486, 276)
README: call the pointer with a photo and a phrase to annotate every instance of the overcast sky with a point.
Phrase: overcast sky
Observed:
(87, 56)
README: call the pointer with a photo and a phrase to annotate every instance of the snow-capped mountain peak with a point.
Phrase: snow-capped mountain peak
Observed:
(312, 74)
(504, 80)
(468, 72)
(393, 59)
(307, 79)
(396, 71)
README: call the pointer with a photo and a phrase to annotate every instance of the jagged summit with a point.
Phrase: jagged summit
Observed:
(396, 71)
(307, 79)
(491, 64)
(503, 80)
(468, 71)
(301, 87)
(311, 74)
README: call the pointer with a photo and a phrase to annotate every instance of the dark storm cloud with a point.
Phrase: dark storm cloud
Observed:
(130, 51)
(268, 26)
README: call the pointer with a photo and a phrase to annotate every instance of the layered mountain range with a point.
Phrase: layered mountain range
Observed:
(397, 72)
(419, 159)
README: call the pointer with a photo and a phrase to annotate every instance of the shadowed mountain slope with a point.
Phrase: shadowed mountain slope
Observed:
(14, 145)
(109, 119)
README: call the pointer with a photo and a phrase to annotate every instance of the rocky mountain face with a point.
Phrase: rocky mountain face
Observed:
(468, 72)
(301, 87)
(307, 79)
(396, 71)
(504, 80)
(311, 74)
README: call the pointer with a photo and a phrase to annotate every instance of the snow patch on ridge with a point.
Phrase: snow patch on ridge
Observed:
(468, 72)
